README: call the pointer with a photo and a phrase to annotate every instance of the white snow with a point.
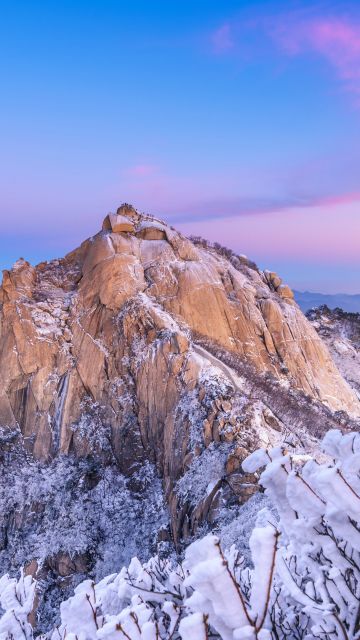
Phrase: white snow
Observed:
(304, 575)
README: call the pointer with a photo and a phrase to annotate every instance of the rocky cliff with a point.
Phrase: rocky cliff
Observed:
(340, 330)
(136, 373)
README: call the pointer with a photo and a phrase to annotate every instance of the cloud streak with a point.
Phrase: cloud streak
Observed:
(253, 206)
(185, 199)
(318, 234)
(222, 39)
(334, 39)
(142, 169)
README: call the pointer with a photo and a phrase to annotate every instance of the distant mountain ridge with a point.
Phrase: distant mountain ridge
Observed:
(308, 300)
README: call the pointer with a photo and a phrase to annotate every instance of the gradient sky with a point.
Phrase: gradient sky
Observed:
(237, 121)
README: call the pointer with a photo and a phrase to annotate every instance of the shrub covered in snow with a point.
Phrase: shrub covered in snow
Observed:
(16, 598)
(303, 582)
(80, 512)
(316, 590)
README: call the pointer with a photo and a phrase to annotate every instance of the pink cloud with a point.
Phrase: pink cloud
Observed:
(189, 206)
(346, 198)
(185, 197)
(222, 39)
(334, 39)
(318, 234)
(337, 40)
(142, 170)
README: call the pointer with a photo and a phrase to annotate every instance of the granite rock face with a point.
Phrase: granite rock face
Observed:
(120, 310)
(143, 347)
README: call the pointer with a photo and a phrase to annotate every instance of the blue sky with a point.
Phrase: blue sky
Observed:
(235, 120)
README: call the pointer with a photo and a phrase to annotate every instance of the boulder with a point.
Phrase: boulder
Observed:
(273, 278)
(128, 211)
(284, 291)
(118, 224)
(151, 231)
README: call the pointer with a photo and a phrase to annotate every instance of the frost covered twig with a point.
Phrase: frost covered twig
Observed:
(303, 584)
(16, 599)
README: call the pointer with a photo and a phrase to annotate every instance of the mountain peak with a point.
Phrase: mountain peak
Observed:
(145, 354)
(136, 259)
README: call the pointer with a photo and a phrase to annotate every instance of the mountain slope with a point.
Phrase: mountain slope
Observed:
(65, 323)
(143, 360)
(341, 333)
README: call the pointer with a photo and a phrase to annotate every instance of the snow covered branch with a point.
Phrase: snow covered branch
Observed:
(318, 568)
(16, 599)
(303, 583)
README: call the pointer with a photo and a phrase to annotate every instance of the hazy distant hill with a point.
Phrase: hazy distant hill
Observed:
(307, 300)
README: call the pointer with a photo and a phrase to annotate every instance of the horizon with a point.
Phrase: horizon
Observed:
(239, 123)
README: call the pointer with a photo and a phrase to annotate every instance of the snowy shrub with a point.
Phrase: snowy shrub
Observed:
(210, 593)
(317, 587)
(16, 599)
(92, 517)
(303, 581)
(93, 428)
(142, 601)
(237, 261)
(204, 473)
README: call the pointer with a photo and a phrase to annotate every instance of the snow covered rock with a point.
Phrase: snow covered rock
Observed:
(340, 331)
(144, 347)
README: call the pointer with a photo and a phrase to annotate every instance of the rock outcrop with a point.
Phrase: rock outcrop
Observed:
(68, 328)
(142, 346)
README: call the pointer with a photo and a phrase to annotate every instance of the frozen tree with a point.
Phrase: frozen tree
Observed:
(234, 599)
(318, 565)
(141, 602)
(303, 582)
(16, 599)
(211, 594)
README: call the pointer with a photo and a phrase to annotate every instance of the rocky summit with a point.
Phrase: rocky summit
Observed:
(137, 373)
